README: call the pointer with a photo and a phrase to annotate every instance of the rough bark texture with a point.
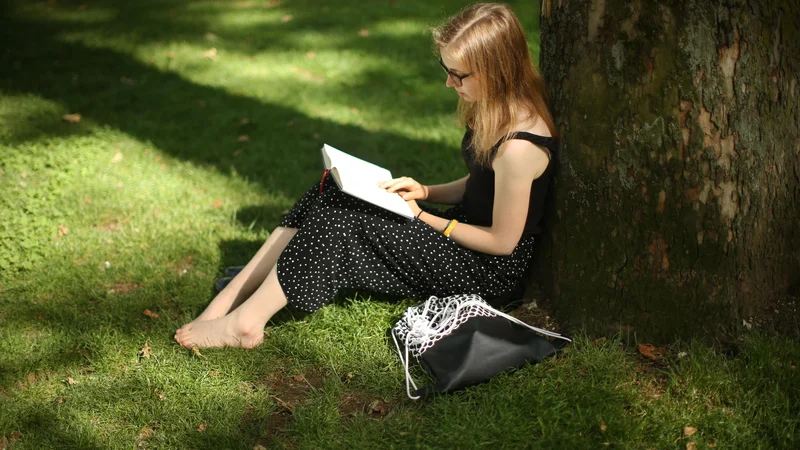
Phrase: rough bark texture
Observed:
(677, 207)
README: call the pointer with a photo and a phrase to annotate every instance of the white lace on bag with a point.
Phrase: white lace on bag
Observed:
(422, 325)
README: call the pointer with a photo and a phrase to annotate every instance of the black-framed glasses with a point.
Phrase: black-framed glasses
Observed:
(458, 80)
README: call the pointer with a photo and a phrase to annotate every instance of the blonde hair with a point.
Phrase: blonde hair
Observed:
(488, 39)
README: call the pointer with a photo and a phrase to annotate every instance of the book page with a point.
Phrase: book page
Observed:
(353, 170)
(360, 179)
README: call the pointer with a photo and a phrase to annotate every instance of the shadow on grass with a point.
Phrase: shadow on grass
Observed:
(194, 122)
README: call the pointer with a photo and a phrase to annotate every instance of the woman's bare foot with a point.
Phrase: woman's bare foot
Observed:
(228, 331)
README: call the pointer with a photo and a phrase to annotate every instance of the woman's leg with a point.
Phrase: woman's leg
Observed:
(244, 327)
(251, 277)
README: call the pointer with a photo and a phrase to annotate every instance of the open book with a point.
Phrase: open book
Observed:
(360, 179)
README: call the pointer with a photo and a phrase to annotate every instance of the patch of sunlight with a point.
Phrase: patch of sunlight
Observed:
(246, 18)
(56, 13)
(400, 28)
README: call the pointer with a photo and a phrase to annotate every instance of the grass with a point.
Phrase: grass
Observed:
(142, 203)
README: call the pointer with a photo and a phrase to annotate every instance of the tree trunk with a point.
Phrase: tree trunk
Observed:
(677, 206)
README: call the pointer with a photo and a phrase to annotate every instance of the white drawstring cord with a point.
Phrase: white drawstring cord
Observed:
(423, 331)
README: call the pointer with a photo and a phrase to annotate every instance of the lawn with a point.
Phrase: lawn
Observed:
(145, 146)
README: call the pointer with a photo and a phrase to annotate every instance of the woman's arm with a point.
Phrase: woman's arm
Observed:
(516, 165)
(448, 193)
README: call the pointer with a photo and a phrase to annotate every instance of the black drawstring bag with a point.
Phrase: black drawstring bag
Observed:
(462, 341)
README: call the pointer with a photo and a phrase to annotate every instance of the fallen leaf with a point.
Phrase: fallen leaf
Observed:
(244, 138)
(117, 157)
(603, 426)
(217, 203)
(196, 351)
(211, 53)
(146, 352)
(286, 18)
(378, 407)
(72, 118)
(649, 351)
(298, 378)
(689, 431)
(364, 32)
(160, 396)
(70, 381)
(63, 230)
(259, 447)
(691, 445)
(24, 174)
(712, 444)
(201, 428)
(150, 314)
(285, 405)
(214, 373)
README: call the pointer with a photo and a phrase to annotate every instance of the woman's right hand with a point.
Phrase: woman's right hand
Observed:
(408, 188)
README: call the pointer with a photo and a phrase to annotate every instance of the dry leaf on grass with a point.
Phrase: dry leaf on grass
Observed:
(298, 378)
(72, 118)
(70, 381)
(217, 204)
(603, 426)
(364, 32)
(689, 431)
(211, 54)
(145, 352)
(150, 314)
(285, 405)
(201, 428)
(649, 351)
(62, 230)
(691, 445)
(243, 138)
(117, 157)
(712, 445)
(196, 352)
(378, 407)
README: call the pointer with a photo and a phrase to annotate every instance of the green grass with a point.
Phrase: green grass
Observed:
(141, 203)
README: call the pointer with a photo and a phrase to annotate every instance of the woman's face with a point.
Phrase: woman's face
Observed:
(457, 74)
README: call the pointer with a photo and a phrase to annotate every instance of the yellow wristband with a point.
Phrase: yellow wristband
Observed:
(449, 228)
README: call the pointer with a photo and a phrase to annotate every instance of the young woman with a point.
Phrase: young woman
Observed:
(482, 245)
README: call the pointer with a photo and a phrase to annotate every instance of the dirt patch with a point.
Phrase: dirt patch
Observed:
(123, 288)
(289, 391)
(352, 403)
(532, 314)
(110, 225)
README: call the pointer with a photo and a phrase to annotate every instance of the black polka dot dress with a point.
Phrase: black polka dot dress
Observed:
(343, 242)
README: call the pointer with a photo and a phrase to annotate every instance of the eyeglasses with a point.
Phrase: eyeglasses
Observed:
(458, 80)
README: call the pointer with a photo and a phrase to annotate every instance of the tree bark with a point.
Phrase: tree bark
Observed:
(677, 206)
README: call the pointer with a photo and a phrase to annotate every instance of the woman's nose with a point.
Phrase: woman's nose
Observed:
(449, 81)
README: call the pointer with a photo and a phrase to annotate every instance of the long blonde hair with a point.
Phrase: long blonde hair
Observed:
(488, 39)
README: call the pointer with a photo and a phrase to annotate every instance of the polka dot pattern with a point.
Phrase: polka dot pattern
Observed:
(343, 242)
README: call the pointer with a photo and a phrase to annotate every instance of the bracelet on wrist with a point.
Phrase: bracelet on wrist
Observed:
(449, 228)
(420, 213)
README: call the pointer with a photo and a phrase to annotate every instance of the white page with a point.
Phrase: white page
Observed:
(360, 179)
